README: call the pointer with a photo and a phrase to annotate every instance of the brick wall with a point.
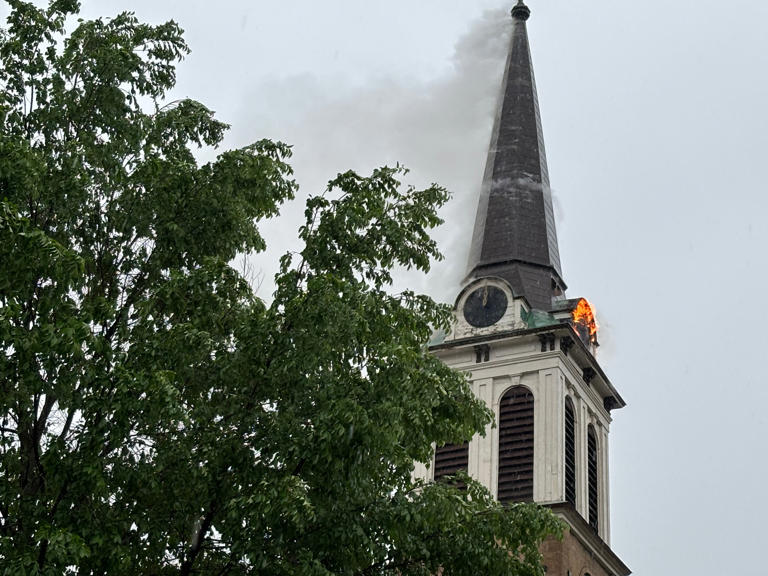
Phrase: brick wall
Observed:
(569, 557)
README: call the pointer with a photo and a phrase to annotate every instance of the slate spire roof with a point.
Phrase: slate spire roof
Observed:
(514, 236)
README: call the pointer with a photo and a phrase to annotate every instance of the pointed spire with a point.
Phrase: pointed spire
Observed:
(515, 236)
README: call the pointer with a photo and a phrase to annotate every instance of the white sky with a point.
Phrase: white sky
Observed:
(656, 123)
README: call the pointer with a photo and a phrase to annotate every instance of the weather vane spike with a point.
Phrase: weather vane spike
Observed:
(521, 11)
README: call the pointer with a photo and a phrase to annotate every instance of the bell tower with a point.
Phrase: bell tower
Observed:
(529, 351)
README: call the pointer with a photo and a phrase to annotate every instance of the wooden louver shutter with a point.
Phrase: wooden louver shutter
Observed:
(516, 446)
(450, 459)
(592, 477)
(570, 453)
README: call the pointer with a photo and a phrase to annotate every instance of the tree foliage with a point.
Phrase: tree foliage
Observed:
(157, 416)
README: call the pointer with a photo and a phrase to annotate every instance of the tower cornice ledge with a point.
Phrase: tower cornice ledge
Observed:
(560, 329)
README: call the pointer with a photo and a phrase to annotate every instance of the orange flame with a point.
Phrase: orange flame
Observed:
(584, 316)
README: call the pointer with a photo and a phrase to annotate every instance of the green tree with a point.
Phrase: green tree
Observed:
(158, 417)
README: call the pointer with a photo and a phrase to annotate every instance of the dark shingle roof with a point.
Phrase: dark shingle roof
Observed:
(514, 235)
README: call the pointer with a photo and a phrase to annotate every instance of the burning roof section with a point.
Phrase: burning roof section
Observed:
(514, 236)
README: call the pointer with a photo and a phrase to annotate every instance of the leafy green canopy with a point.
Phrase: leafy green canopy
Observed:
(157, 417)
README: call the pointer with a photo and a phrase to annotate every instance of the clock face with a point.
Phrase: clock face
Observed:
(485, 306)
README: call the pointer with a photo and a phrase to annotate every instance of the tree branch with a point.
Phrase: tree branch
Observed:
(67, 425)
(50, 402)
(198, 538)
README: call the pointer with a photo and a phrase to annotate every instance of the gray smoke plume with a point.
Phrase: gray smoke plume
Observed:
(439, 128)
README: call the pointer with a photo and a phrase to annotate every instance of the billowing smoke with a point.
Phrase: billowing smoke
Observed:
(439, 128)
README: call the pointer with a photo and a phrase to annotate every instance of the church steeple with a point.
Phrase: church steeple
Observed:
(529, 354)
(514, 236)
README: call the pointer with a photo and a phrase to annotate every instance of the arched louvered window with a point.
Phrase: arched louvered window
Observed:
(451, 458)
(516, 445)
(592, 476)
(570, 453)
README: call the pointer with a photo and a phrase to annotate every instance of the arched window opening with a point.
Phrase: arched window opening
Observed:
(516, 446)
(450, 459)
(570, 453)
(592, 476)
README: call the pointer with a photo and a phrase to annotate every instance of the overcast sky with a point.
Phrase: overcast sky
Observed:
(656, 125)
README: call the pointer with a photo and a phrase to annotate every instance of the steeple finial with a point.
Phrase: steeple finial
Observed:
(521, 11)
